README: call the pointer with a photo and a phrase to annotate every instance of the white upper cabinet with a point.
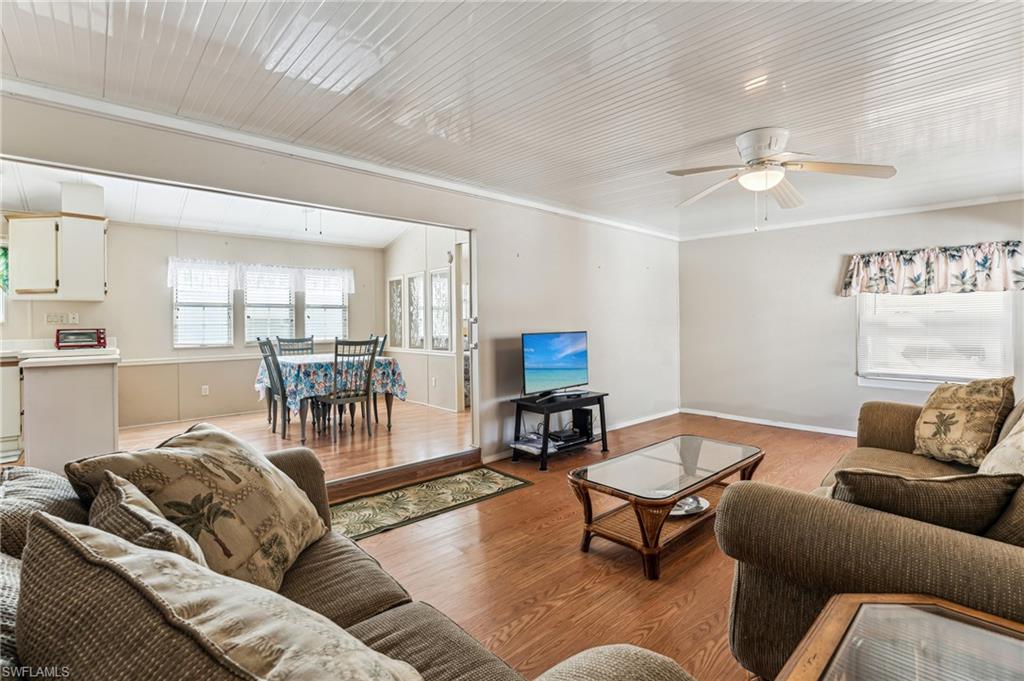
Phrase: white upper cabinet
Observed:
(58, 258)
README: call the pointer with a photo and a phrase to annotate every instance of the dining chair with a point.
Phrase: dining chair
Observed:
(352, 379)
(380, 353)
(302, 346)
(275, 391)
(295, 346)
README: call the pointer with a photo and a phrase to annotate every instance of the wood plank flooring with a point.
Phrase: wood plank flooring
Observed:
(510, 571)
(419, 433)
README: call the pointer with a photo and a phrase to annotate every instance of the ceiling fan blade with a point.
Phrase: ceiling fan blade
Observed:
(786, 195)
(859, 169)
(785, 156)
(706, 169)
(700, 195)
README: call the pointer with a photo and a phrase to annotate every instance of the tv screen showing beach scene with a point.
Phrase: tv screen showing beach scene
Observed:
(554, 360)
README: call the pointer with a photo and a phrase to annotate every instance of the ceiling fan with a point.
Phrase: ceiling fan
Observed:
(765, 163)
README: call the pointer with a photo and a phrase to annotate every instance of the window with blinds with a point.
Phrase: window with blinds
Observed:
(202, 305)
(326, 305)
(269, 305)
(941, 337)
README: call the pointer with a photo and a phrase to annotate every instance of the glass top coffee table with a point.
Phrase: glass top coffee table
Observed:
(671, 488)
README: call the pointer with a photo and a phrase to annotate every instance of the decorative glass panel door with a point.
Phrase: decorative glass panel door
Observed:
(395, 336)
(440, 310)
(417, 306)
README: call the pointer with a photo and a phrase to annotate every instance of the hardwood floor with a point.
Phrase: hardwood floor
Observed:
(419, 433)
(510, 571)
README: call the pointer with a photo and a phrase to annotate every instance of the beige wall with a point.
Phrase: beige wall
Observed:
(431, 376)
(535, 270)
(158, 382)
(764, 333)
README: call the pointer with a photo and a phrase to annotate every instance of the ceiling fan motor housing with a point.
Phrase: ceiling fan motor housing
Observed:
(761, 142)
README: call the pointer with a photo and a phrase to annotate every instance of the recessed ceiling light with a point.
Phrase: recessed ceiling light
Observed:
(755, 83)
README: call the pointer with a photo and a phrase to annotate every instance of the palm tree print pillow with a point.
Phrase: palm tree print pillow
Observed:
(961, 422)
(249, 518)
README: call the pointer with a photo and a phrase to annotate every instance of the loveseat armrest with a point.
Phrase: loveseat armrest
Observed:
(616, 663)
(887, 425)
(301, 465)
(833, 547)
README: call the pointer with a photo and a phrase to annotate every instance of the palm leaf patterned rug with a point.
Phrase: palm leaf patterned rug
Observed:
(369, 515)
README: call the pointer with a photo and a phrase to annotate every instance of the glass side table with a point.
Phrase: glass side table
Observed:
(886, 637)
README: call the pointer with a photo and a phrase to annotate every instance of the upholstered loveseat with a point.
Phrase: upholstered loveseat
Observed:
(794, 550)
(338, 580)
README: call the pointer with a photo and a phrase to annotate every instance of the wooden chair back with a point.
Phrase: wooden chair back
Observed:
(353, 367)
(295, 346)
(273, 368)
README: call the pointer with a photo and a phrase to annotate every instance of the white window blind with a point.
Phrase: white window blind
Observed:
(941, 337)
(269, 304)
(326, 305)
(202, 305)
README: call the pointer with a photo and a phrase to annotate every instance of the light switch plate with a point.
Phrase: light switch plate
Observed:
(73, 318)
(204, 390)
(56, 317)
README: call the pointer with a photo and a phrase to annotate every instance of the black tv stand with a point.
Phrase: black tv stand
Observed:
(554, 403)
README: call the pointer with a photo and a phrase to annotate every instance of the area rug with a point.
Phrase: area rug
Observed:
(369, 515)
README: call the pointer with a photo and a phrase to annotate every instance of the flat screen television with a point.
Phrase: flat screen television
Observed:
(553, 361)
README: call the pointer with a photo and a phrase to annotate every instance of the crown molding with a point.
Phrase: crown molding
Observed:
(978, 201)
(51, 97)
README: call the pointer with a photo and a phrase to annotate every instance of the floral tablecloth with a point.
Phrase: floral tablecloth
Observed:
(310, 375)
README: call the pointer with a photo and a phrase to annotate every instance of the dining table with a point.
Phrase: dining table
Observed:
(309, 375)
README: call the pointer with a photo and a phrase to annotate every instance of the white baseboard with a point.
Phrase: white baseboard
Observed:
(769, 422)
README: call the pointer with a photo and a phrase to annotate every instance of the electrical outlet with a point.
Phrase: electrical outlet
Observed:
(204, 390)
(56, 318)
(73, 318)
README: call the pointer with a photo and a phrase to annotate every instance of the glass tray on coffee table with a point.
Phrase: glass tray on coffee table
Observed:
(671, 488)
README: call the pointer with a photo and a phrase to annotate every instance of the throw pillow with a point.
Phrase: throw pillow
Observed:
(24, 491)
(1008, 457)
(148, 615)
(962, 422)
(120, 508)
(967, 503)
(249, 518)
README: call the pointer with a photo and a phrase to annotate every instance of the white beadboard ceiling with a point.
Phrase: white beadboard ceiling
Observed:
(583, 106)
(34, 188)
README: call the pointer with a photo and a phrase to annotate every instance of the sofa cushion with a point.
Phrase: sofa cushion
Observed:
(962, 422)
(120, 611)
(901, 463)
(10, 586)
(120, 508)
(438, 648)
(966, 503)
(24, 491)
(250, 519)
(339, 580)
(1009, 528)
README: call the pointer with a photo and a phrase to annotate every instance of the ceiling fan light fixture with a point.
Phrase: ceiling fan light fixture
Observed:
(762, 178)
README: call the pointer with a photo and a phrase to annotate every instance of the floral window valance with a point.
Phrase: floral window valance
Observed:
(989, 266)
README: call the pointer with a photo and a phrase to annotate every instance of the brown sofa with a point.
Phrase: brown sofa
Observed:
(337, 579)
(794, 550)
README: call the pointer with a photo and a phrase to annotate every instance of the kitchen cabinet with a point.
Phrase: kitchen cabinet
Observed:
(58, 258)
(10, 409)
(69, 405)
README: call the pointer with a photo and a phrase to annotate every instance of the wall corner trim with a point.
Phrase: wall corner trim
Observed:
(769, 422)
